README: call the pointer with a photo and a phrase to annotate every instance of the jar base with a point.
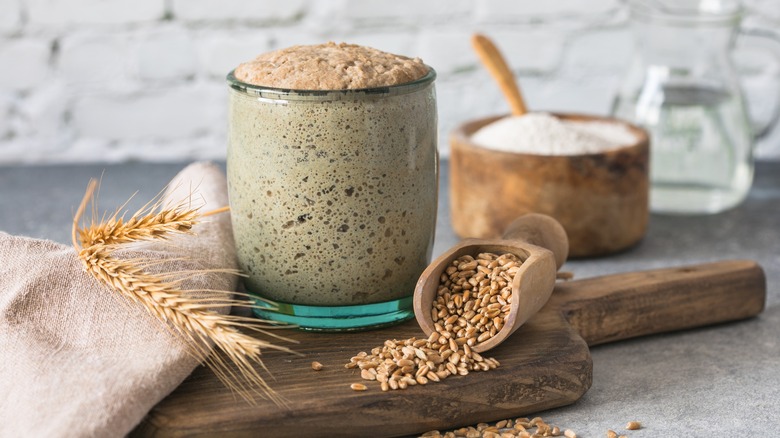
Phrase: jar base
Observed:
(337, 318)
(691, 199)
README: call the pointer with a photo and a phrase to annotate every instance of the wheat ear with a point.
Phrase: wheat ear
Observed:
(180, 311)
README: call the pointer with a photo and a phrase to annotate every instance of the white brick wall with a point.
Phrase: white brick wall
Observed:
(534, 10)
(42, 114)
(103, 13)
(163, 113)
(113, 80)
(167, 53)
(402, 12)
(24, 63)
(210, 11)
(5, 117)
(94, 59)
(530, 49)
(218, 50)
(10, 16)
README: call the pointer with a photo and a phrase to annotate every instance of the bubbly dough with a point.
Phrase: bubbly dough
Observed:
(330, 66)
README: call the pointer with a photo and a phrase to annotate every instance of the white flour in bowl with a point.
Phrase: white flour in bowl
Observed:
(544, 134)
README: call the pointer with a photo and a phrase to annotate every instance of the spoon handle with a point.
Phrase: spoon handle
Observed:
(540, 230)
(490, 56)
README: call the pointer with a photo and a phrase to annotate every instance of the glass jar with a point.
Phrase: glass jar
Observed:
(683, 88)
(333, 198)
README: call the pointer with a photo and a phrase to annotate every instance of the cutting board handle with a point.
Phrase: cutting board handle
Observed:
(614, 307)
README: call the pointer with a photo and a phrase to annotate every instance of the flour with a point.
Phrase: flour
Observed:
(544, 134)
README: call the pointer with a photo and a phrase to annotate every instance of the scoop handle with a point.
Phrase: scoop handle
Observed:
(496, 64)
(543, 231)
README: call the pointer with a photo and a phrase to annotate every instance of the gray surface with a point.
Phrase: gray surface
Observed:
(717, 379)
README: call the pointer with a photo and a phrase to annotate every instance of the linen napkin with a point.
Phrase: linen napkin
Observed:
(75, 360)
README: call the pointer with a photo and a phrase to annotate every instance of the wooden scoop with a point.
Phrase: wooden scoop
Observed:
(490, 56)
(539, 240)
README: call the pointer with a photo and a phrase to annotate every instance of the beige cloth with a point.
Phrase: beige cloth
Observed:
(74, 360)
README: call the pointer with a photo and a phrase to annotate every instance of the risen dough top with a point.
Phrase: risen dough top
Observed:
(330, 66)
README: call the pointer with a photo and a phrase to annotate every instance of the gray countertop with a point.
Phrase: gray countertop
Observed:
(723, 379)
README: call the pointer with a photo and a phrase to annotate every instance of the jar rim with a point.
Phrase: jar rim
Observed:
(726, 12)
(330, 95)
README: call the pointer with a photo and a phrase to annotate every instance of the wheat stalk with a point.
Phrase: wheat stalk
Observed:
(182, 312)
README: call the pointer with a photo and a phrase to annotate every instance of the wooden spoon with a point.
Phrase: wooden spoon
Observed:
(539, 240)
(491, 58)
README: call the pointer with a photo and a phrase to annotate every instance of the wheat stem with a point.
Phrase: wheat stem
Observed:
(215, 211)
(80, 211)
(189, 317)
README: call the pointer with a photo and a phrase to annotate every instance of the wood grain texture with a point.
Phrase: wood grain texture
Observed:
(623, 306)
(545, 364)
(600, 199)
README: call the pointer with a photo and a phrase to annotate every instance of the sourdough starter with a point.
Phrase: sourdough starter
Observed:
(333, 193)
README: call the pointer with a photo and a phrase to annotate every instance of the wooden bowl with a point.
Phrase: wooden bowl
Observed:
(600, 199)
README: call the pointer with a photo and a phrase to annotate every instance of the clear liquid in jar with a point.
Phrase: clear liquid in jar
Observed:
(701, 158)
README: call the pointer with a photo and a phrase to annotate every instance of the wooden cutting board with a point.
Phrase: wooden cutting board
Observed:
(545, 364)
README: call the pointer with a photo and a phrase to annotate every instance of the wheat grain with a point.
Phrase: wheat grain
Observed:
(358, 387)
(633, 425)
